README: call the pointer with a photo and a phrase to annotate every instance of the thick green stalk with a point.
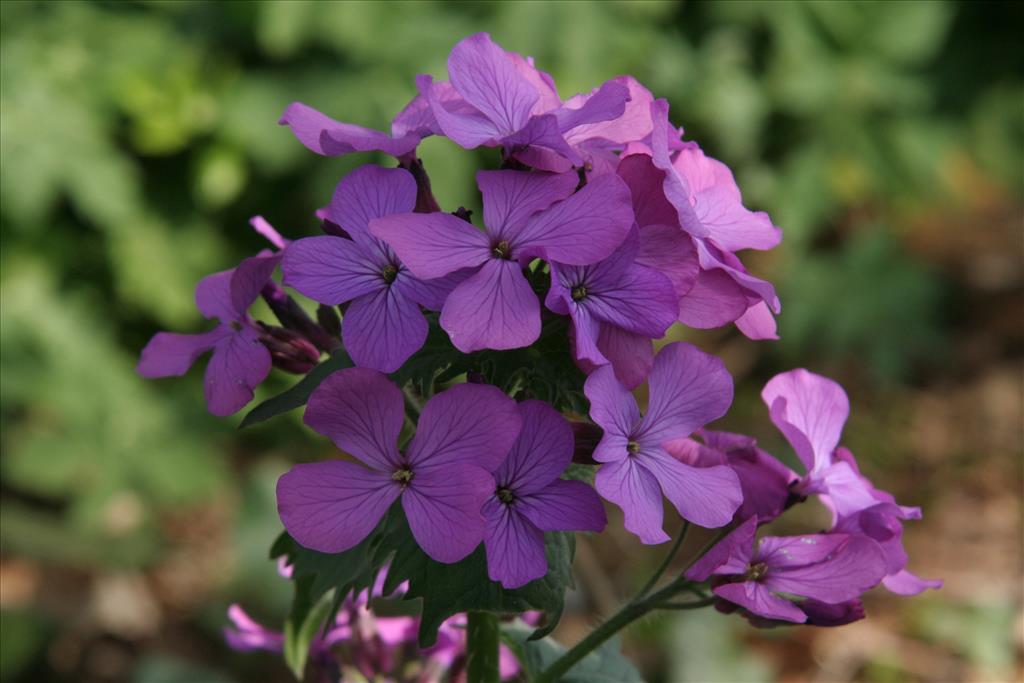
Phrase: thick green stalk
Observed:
(483, 635)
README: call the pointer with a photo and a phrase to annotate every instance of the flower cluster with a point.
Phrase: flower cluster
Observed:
(601, 229)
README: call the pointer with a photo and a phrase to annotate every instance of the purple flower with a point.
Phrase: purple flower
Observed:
(617, 306)
(764, 480)
(709, 209)
(495, 98)
(383, 324)
(810, 411)
(443, 478)
(240, 361)
(530, 499)
(688, 389)
(323, 135)
(526, 216)
(828, 568)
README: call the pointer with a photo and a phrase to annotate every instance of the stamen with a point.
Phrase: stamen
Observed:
(235, 325)
(756, 571)
(389, 273)
(633, 447)
(402, 476)
(505, 495)
(579, 293)
(502, 250)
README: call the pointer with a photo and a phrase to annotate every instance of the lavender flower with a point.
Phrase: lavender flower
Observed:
(530, 499)
(383, 324)
(827, 568)
(688, 388)
(710, 211)
(617, 306)
(495, 98)
(443, 478)
(810, 411)
(526, 216)
(240, 360)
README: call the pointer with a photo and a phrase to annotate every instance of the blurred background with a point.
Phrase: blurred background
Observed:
(138, 137)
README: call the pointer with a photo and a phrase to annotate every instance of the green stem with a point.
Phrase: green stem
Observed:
(664, 563)
(482, 637)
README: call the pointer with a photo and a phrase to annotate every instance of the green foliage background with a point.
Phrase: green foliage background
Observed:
(138, 137)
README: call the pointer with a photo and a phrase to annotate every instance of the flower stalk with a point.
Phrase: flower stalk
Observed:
(483, 635)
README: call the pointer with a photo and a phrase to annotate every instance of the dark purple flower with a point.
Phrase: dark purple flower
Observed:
(617, 307)
(495, 98)
(383, 324)
(240, 360)
(443, 478)
(829, 568)
(688, 388)
(765, 481)
(526, 216)
(530, 499)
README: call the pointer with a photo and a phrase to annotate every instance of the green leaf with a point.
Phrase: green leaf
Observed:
(303, 624)
(448, 589)
(298, 394)
(606, 664)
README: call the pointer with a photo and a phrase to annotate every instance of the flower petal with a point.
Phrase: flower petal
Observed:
(458, 120)
(631, 355)
(603, 105)
(213, 296)
(707, 496)
(564, 506)
(670, 251)
(323, 135)
(905, 583)
(362, 412)
(171, 355)
(612, 406)
(634, 122)
(585, 228)
(443, 508)
(542, 132)
(331, 270)
(810, 411)
(850, 570)
(248, 279)
(332, 506)
(485, 76)
(732, 226)
(644, 180)
(540, 453)
(688, 389)
(239, 363)
(713, 300)
(514, 545)
(432, 245)
(758, 322)
(495, 308)
(512, 197)
(472, 424)
(636, 491)
(383, 329)
(370, 192)
(757, 599)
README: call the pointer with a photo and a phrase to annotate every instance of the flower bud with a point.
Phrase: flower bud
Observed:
(289, 350)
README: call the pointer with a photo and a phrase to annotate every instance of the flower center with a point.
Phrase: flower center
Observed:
(505, 495)
(633, 447)
(389, 273)
(402, 476)
(756, 571)
(502, 250)
(579, 293)
(235, 325)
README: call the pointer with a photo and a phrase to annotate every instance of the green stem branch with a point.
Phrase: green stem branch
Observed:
(664, 563)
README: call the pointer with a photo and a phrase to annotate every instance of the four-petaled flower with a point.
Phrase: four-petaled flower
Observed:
(617, 306)
(240, 361)
(383, 324)
(526, 216)
(688, 388)
(827, 568)
(529, 498)
(443, 478)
